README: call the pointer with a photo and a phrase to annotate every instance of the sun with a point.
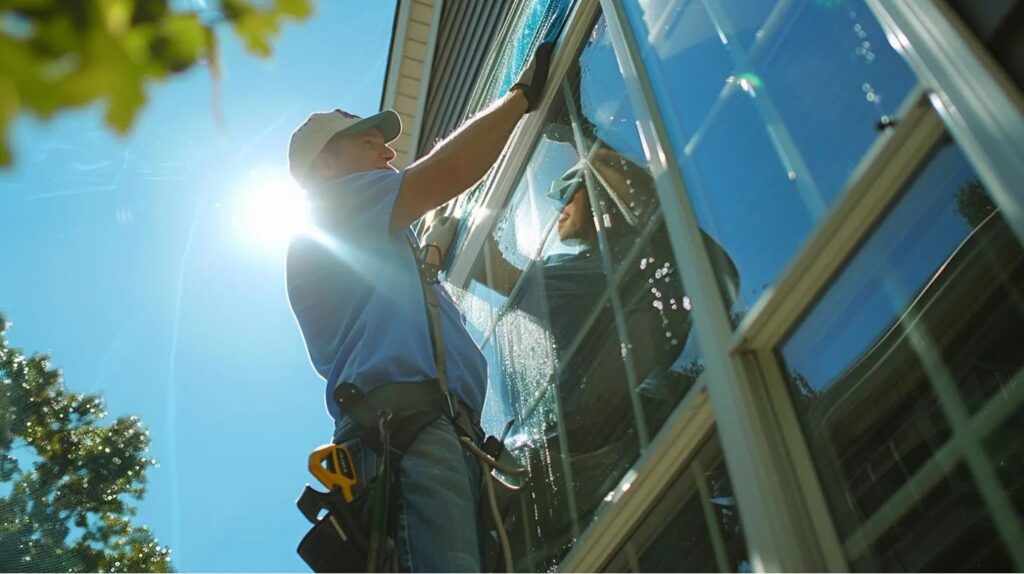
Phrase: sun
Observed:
(269, 208)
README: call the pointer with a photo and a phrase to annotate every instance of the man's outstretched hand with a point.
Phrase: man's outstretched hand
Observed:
(535, 76)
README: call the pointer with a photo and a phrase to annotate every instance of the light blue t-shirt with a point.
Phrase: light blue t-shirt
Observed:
(355, 291)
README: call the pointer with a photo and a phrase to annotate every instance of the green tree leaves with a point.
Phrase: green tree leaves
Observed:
(68, 477)
(59, 54)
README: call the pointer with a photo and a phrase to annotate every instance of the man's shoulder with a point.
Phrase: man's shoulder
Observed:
(299, 248)
(357, 191)
(368, 179)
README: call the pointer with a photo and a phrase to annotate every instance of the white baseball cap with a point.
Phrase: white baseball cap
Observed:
(311, 137)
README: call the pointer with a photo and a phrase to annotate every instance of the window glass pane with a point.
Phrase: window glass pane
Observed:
(930, 306)
(694, 527)
(947, 530)
(576, 298)
(745, 89)
(684, 545)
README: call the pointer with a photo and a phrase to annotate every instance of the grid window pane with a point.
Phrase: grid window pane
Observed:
(746, 89)
(947, 530)
(921, 327)
(576, 299)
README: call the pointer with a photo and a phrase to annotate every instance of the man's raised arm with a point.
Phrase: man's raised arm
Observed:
(462, 159)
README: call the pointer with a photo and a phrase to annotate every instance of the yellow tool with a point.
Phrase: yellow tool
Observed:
(340, 472)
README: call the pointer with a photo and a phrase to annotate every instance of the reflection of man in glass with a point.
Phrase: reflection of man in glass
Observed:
(606, 216)
(567, 292)
(574, 219)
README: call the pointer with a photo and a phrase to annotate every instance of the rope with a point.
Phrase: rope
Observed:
(490, 461)
(487, 462)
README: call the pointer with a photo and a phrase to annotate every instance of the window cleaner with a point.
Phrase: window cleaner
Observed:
(353, 292)
(338, 541)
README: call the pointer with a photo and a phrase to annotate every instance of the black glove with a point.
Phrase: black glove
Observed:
(535, 76)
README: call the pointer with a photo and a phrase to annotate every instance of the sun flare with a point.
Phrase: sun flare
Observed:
(270, 208)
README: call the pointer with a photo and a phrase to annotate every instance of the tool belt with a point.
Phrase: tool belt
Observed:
(413, 406)
(390, 418)
(355, 535)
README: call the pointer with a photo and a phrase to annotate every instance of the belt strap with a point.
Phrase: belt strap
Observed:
(428, 279)
(416, 396)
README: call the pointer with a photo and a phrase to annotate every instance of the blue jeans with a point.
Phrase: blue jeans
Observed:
(438, 527)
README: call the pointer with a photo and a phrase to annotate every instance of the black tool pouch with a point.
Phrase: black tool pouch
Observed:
(324, 551)
(337, 542)
(356, 535)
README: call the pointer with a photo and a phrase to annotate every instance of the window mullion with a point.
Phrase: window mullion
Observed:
(769, 371)
(710, 516)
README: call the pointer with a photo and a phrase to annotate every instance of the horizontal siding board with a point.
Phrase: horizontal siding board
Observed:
(405, 104)
(477, 45)
(452, 18)
(465, 34)
(461, 66)
(411, 72)
(402, 142)
(407, 87)
(443, 76)
(415, 50)
(421, 13)
(419, 32)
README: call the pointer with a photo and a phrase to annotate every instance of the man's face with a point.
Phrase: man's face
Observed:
(363, 151)
(574, 221)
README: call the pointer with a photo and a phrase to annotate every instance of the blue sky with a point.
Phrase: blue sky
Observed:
(131, 261)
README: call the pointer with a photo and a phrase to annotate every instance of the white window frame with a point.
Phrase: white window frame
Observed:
(690, 422)
(742, 393)
(764, 446)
